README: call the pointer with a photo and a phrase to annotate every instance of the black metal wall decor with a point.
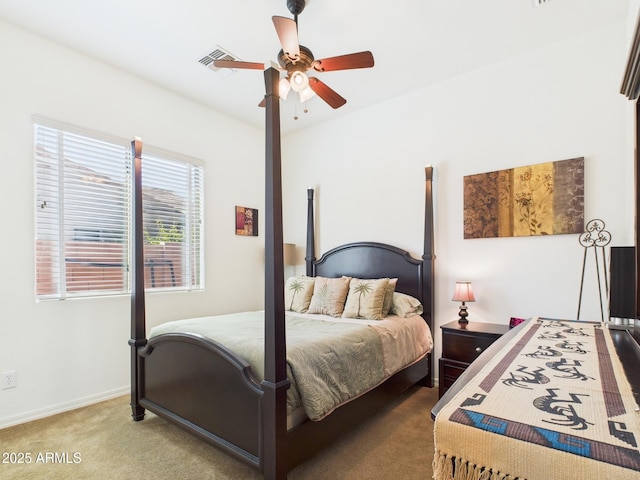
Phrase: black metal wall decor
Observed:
(596, 237)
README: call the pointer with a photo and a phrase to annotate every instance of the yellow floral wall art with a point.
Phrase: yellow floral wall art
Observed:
(542, 199)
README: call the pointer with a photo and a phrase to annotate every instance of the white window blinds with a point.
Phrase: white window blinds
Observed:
(172, 203)
(83, 216)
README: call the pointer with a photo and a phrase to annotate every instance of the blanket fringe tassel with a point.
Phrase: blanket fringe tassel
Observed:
(447, 467)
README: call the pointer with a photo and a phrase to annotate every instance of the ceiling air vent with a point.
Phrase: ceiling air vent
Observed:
(218, 54)
(537, 3)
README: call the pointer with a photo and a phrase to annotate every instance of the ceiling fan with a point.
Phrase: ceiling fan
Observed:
(296, 60)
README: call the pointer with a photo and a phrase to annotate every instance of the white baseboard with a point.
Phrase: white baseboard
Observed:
(63, 407)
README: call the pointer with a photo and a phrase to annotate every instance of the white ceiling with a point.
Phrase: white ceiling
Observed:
(414, 42)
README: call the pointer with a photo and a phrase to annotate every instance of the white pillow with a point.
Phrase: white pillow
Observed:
(405, 305)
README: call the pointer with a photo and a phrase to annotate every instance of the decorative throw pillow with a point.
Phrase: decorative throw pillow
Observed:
(388, 296)
(365, 298)
(297, 293)
(329, 295)
(405, 305)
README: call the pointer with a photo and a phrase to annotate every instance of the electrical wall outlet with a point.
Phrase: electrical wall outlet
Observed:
(8, 380)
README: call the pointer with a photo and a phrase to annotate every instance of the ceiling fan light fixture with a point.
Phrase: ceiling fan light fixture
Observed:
(296, 60)
(306, 94)
(283, 88)
(299, 81)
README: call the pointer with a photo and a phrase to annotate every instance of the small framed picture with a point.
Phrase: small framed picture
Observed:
(247, 221)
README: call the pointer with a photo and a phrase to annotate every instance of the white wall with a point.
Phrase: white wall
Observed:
(550, 104)
(72, 352)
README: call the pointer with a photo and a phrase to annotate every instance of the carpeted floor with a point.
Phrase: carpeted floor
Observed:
(102, 442)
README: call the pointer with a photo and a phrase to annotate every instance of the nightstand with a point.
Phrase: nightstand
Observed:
(461, 345)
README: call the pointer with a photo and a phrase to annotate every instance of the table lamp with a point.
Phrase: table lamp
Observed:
(463, 293)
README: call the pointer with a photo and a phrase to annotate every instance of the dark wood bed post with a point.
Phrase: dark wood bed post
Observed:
(276, 383)
(138, 327)
(428, 259)
(311, 242)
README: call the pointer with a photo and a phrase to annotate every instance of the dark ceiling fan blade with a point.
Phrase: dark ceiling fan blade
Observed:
(287, 31)
(238, 64)
(325, 93)
(344, 62)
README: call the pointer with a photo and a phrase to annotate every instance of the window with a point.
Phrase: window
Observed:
(83, 215)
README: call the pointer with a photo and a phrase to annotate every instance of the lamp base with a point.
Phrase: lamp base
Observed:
(463, 314)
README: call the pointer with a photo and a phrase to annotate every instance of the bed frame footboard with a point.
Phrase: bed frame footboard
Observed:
(190, 381)
(202, 387)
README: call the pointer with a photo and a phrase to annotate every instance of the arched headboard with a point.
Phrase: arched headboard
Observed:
(373, 260)
(380, 260)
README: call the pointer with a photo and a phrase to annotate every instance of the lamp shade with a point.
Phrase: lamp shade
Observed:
(463, 292)
(299, 81)
(306, 94)
(284, 88)
(289, 254)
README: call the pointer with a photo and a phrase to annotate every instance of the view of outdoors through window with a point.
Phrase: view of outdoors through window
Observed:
(83, 217)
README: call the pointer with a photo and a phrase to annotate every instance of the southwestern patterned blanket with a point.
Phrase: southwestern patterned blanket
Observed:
(553, 405)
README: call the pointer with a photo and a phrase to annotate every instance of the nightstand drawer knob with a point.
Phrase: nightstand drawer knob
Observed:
(478, 349)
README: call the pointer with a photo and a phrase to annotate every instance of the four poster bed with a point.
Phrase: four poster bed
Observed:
(257, 406)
